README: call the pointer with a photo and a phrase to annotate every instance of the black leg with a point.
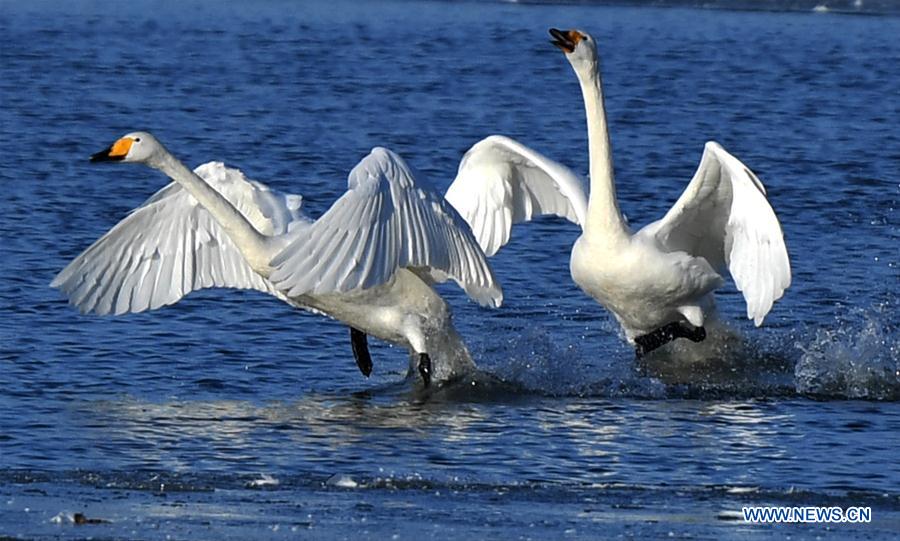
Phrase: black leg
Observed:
(648, 342)
(695, 334)
(361, 351)
(425, 368)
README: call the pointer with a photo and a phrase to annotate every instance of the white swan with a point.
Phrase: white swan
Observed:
(369, 261)
(654, 280)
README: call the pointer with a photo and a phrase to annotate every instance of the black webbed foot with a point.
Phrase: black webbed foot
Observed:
(361, 351)
(646, 343)
(425, 368)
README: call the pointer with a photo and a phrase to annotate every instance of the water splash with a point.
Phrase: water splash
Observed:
(859, 358)
(725, 365)
(535, 362)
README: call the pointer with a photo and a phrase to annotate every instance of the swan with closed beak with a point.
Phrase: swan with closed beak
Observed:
(369, 261)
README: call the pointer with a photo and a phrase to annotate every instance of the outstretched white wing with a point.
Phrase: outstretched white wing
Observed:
(385, 221)
(502, 182)
(724, 216)
(170, 246)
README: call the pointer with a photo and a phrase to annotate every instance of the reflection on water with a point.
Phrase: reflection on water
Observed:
(746, 442)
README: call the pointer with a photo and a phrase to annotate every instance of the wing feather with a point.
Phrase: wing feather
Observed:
(724, 216)
(391, 222)
(501, 182)
(171, 246)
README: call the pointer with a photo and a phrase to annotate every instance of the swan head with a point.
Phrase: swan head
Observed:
(580, 48)
(138, 147)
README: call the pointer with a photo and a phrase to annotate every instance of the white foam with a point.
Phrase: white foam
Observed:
(63, 517)
(340, 480)
(265, 480)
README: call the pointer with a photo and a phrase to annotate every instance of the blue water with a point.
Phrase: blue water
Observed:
(180, 422)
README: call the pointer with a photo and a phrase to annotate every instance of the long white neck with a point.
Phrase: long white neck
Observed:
(253, 245)
(604, 220)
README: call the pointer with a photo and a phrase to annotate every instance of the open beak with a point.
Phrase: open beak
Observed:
(565, 39)
(115, 153)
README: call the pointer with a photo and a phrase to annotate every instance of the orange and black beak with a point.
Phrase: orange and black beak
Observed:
(565, 39)
(116, 152)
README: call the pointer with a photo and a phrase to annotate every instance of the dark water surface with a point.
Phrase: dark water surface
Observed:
(232, 416)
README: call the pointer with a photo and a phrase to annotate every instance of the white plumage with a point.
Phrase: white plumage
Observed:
(385, 221)
(663, 274)
(170, 246)
(501, 182)
(724, 217)
(369, 261)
